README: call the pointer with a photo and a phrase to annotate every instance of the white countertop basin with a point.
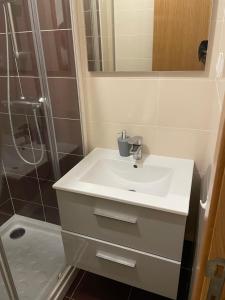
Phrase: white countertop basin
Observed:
(158, 182)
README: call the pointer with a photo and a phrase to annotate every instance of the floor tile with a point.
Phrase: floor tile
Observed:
(184, 285)
(138, 294)
(94, 287)
(89, 286)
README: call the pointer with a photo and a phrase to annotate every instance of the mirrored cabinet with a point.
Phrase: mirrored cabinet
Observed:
(147, 35)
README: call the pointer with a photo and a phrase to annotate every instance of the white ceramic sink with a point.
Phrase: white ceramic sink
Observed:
(158, 182)
(123, 175)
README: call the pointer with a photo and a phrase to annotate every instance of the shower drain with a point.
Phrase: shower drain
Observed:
(17, 233)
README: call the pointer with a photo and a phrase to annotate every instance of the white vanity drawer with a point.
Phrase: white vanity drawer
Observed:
(139, 228)
(149, 272)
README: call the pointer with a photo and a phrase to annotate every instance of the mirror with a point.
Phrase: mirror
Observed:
(147, 35)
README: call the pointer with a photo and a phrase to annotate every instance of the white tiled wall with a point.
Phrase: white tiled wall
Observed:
(176, 115)
(133, 22)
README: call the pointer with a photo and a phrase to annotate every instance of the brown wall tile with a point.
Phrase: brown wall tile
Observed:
(67, 162)
(24, 188)
(4, 192)
(31, 91)
(2, 20)
(3, 68)
(48, 193)
(4, 218)
(27, 191)
(59, 54)
(14, 164)
(68, 136)
(20, 16)
(36, 142)
(52, 215)
(44, 168)
(54, 14)
(27, 64)
(64, 98)
(28, 209)
(7, 208)
(21, 131)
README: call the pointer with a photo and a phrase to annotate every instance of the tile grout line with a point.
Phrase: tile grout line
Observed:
(42, 30)
(36, 77)
(39, 116)
(27, 201)
(39, 149)
(6, 178)
(3, 203)
(152, 126)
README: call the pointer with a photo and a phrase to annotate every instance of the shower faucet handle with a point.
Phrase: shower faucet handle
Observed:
(42, 100)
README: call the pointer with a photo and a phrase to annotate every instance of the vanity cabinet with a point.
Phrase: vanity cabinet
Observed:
(143, 270)
(132, 244)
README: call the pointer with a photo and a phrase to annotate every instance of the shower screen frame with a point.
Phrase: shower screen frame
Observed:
(5, 271)
(7, 275)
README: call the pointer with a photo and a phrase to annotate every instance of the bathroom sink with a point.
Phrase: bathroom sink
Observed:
(157, 182)
(152, 180)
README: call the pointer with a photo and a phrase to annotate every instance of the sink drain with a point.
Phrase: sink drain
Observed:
(131, 190)
(17, 233)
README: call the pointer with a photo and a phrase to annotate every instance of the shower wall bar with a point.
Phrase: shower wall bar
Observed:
(14, 40)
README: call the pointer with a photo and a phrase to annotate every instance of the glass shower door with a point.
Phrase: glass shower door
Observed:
(27, 90)
(29, 154)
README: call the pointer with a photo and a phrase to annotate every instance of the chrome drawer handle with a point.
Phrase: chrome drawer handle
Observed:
(116, 259)
(115, 216)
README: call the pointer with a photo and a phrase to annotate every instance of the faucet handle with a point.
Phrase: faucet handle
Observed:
(135, 140)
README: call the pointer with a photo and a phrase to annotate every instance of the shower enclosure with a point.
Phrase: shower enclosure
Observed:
(40, 140)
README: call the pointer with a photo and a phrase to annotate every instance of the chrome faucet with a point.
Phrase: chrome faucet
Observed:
(136, 147)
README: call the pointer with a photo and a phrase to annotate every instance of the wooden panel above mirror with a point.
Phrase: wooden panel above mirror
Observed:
(147, 35)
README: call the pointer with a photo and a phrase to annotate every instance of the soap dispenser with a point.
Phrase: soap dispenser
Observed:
(124, 146)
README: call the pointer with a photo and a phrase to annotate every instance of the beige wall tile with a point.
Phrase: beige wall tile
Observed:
(134, 4)
(123, 100)
(187, 103)
(105, 135)
(187, 106)
(214, 47)
(191, 144)
(221, 91)
(221, 81)
(181, 143)
(218, 9)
